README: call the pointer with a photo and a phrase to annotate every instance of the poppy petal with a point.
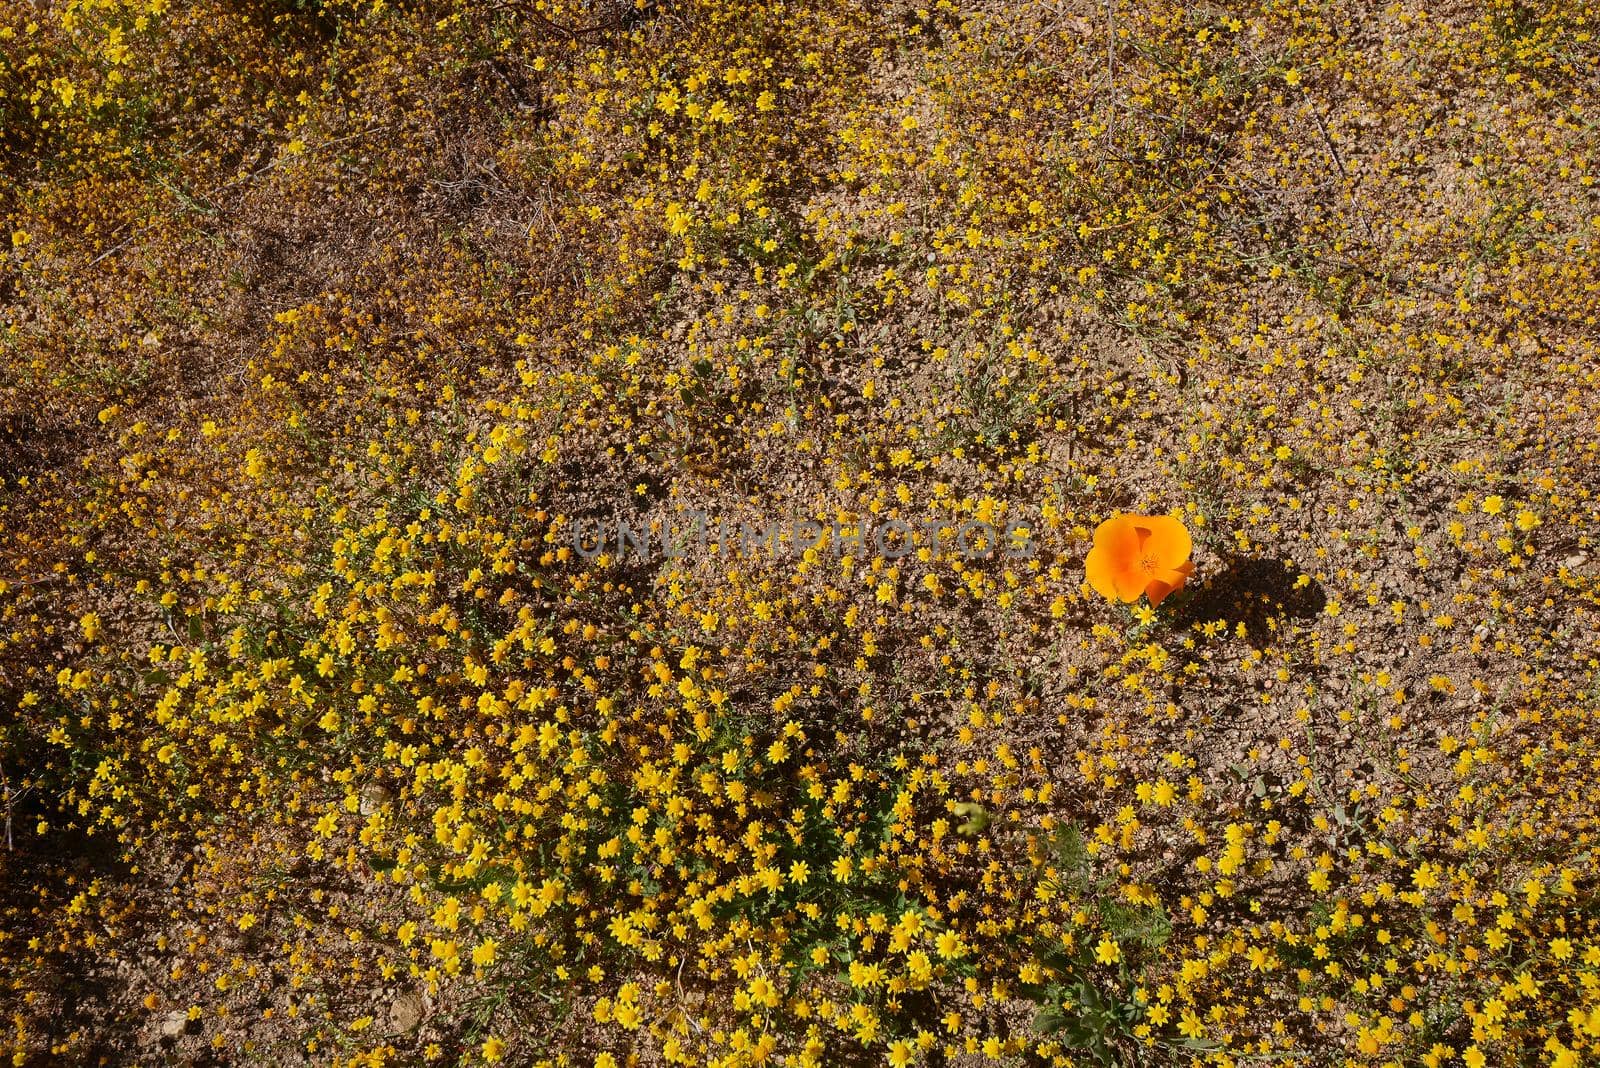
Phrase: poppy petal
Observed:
(1167, 539)
(1130, 583)
(1166, 583)
(1118, 535)
(1098, 569)
(1110, 565)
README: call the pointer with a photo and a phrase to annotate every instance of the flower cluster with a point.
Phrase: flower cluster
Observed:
(328, 329)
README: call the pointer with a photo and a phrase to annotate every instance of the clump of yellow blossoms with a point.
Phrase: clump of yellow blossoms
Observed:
(326, 327)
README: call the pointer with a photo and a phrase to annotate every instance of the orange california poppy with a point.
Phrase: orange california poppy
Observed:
(1136, 554)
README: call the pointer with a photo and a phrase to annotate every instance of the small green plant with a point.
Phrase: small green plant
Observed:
(1082, 1004)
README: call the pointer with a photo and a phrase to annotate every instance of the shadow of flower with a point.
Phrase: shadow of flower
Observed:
(1254, 591)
